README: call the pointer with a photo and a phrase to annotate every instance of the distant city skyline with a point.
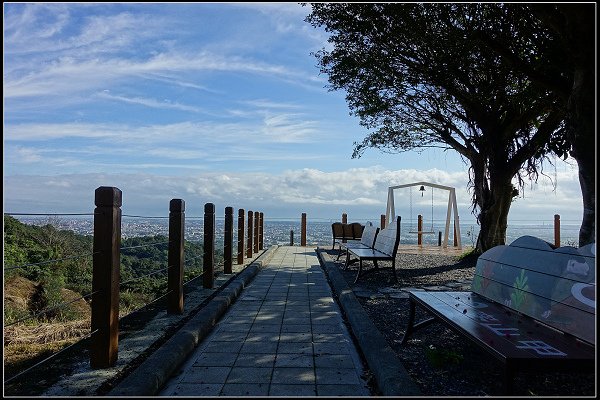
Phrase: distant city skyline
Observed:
(207, 102)
(318, 230)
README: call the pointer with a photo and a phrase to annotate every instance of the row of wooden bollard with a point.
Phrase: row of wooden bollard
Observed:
(107, 254)
(420, 229)
(303, 228)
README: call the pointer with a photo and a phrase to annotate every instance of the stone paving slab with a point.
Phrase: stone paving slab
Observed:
(284, 336)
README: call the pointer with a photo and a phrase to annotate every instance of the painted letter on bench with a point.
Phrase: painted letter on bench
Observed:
(555, 286)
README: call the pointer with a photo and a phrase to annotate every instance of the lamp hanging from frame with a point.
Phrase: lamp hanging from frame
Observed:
(422, 190)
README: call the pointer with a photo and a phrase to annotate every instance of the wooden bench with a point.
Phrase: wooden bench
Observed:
(532, 307)
(343, 232)
(367, 240)
(384, 249)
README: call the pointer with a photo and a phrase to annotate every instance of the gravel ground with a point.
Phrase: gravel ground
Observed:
(440, 361)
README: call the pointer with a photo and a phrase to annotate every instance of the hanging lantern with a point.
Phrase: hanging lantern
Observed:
(422, 190)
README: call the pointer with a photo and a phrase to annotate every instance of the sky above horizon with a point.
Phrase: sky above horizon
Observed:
(206, 102)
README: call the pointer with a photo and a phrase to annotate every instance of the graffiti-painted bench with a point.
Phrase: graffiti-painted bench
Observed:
(531, 306)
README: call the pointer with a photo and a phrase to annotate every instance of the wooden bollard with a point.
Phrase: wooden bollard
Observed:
(228, 242)
(420, 230)
(291, 237)
(344, 221)
(250, 234)
(176, 256)
(260, 231)
(303, 231)
(256, 224)
(240, 238)
(105, 277)
(557, 230)
(208, 268)
(382, 223)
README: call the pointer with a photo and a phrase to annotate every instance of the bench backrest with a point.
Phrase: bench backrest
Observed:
(369, 234)
(351, 231)
(388, 239)
(555, 286)
(337, 230)
(357, 230)
(348, 233)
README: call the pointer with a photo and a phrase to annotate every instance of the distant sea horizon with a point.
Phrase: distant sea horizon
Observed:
(277, 231)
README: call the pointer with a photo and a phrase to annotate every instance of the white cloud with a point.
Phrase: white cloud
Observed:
(360, 192)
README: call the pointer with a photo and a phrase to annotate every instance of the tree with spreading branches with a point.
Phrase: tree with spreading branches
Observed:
(560, 56)
(418, 77)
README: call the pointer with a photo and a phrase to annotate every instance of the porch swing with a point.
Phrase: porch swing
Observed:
(422, 190)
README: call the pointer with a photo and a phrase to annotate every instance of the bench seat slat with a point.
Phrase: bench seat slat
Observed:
(369, 254)
(502, 340)
(355, 245)
(509, 317)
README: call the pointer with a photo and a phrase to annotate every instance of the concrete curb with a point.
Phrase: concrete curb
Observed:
(391, 376)
(156, 370)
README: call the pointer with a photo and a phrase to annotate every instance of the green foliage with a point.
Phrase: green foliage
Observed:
(141, 259)
(471, 253)
(430, 75)
(442, 357)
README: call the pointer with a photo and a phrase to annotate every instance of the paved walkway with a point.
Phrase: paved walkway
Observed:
(284, 336)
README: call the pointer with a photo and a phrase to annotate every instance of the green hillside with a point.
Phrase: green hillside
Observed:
(25, 245)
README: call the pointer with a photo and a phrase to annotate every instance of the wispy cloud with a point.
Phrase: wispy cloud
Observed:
(68, 75)
(270, 104)
(149, 102)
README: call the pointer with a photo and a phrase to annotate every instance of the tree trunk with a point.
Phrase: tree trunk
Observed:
(582, 110)
(587, 181)
(581, 105)
(494, 213)
(579, 33)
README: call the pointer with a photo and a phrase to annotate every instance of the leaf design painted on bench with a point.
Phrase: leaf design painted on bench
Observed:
(518, 295)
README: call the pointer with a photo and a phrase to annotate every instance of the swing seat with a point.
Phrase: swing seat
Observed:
(422, 232)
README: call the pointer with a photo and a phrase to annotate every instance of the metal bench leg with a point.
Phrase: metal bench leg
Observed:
(340, 253)
(411, 321)
(359, 270)
(394, 270)
(412, 326)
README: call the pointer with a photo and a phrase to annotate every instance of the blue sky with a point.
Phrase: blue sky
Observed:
(220, 103)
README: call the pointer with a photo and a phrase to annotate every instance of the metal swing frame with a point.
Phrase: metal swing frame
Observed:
(390, 214)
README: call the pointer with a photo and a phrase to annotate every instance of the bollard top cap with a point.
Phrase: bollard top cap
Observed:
(107, 196)
(177, 205)
(209, 207)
